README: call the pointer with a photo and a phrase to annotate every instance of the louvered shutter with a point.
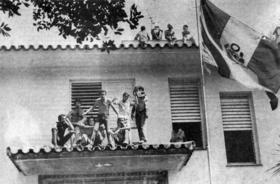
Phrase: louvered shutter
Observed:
(87, 92)
(185, 101)
(236, 113)
(115, 89)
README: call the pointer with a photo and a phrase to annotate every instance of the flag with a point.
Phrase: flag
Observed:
(240, 52)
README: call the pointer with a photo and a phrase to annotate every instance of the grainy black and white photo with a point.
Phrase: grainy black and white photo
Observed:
(139, 92)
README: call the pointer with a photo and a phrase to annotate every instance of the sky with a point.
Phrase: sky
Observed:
(261, 15)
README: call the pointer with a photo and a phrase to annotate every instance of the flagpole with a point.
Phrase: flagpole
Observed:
(206, 139)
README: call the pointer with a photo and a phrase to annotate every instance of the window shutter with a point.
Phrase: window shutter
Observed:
(236, 113)
(87, 92)
(185, 101)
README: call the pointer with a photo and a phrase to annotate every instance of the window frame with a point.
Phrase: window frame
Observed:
(105, 177)
(256, 150)
(201, 104)
(101, 80)
(79, 81)
(87, 80)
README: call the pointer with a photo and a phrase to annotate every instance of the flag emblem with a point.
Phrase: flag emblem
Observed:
(239, 52)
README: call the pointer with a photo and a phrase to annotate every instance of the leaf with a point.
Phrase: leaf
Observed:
(78, 18)
(120, 29)
(26, 4)
(105, 30)
(118, 33)
(6, 28)
(7, 34)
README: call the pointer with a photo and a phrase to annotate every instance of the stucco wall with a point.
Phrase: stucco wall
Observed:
(199, 169)
(267, 133)
(35, 88)
(196, 170)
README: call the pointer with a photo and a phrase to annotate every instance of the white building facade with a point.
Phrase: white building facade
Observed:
(235, 132)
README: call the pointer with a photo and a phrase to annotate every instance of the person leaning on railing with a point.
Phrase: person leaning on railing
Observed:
(178, 135)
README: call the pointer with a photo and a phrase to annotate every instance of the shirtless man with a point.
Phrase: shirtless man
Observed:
(103, 104)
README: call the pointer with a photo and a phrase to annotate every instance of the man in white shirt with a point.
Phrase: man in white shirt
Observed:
(121, 134)
(142, 36)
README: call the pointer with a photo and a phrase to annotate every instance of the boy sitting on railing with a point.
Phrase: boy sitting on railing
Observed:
(63, 132)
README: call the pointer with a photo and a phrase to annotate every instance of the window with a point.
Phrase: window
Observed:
(186, 109)
(237, 116)
(89, 91)
(148, 177)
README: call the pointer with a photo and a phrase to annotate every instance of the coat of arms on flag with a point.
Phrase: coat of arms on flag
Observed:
(239, 52)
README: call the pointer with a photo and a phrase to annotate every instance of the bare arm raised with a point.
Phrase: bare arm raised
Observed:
(91, 108)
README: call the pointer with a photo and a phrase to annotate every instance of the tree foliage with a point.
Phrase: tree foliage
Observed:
(10, 7)
(80, 19)
(83, 19)
(4, 29)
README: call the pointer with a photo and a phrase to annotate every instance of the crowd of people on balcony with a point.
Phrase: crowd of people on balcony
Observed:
(157, 35)
(78, 129)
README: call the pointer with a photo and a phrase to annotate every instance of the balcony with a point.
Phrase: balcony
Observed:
(131, 158)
